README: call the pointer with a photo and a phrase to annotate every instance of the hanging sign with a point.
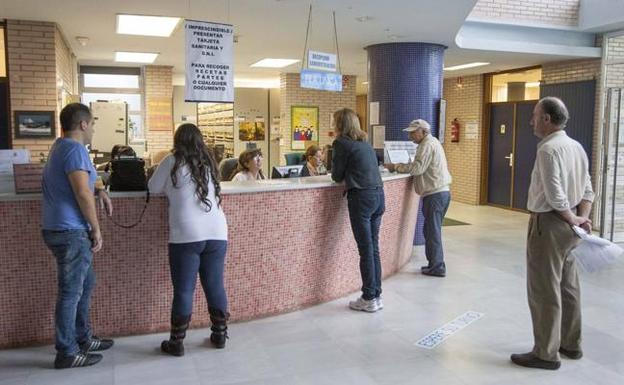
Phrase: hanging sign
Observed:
(321, 80)
(321, 61)
(209, 62)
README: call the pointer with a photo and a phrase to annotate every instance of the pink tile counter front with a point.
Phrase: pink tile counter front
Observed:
(290, 246)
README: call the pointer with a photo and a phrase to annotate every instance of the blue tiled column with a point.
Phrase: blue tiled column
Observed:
(406, 80)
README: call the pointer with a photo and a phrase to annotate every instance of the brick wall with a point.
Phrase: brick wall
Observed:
(557, 12)
(328, 102)
(158, 107)
(464, 157)
(32, 75)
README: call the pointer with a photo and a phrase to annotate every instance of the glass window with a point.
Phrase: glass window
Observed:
(111, 81)
(135, 127)
(2, 54)
(133, 100)
(516, 86)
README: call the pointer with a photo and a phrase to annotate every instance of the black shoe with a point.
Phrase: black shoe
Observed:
(433, 273)
(79, 360)
(426, 267)
(96, 344)
(529, 360)
(173, 347)
(571, 354)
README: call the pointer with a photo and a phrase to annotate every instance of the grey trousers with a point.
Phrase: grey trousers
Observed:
(553, 286)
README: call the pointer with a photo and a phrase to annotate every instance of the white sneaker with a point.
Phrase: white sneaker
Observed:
(379, 303)
(362, 304)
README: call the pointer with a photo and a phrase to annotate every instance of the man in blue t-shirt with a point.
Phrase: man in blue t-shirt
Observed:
(72, 232)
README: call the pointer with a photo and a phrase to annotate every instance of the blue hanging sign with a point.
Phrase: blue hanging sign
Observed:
(320, 80)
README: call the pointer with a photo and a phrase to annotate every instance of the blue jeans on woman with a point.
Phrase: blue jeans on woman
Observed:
(76, 280)
(185, 261)
(365, 210)
(434, 210)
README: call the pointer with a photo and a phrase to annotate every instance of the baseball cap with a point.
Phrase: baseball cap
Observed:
(417, 124)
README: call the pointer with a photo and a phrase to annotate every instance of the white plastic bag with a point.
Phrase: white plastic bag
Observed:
(594, 253)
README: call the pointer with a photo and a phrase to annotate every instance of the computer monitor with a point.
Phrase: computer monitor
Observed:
(286, 171)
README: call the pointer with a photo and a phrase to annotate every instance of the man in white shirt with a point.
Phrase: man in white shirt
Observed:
(431, 181)
(560, 196)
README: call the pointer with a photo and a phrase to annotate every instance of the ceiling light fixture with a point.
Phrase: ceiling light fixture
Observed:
(162, 26)
(464, 66)
(274, 63)
(364, 83)
(135, 57)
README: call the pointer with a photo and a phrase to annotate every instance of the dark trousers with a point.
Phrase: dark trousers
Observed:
(76, 280)
(365, 210)
(186, 260)
(434, 210)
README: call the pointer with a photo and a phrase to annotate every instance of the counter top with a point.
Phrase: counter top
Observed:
(267, 185)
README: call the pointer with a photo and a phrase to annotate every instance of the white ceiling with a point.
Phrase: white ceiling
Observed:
(270, 28)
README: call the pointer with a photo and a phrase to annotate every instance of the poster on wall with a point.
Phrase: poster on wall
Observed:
(304, 126)
(209, 62)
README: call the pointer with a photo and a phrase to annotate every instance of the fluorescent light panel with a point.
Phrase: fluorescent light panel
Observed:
(464, 66)
(256, 83)
(146, 25)
(135, 57)
(274, 63)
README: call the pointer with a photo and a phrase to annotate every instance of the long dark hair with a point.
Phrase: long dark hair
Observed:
(189, 149)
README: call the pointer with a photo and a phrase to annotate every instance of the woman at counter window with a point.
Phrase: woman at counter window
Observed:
(313, 162)
(197, 234)
(249, 166)
(354, 162)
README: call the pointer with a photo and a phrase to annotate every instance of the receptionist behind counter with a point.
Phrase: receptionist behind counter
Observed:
(313, 162)
(249, 166)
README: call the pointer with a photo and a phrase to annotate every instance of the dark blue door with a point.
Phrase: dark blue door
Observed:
(500, 152)
(4, 116)
(524, 153)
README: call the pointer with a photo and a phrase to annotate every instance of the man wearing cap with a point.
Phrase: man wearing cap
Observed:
(431, 181)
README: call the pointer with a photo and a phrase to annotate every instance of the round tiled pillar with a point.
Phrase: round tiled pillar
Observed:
(406, 80)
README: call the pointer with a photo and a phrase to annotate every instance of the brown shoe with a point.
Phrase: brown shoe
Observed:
(529, 360)
(571, 354)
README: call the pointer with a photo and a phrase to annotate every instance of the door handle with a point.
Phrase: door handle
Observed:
(511, 158)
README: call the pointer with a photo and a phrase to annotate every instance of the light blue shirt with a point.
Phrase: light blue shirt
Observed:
(60, 208)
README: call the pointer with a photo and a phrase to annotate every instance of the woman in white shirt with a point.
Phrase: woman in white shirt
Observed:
(197, 234)
(249, 166)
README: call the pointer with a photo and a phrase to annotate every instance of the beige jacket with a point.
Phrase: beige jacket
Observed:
(429, 168)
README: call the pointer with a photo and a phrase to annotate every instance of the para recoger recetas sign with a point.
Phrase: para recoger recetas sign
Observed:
(209, 62)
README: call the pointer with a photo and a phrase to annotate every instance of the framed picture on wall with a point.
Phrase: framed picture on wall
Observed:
(304, 126)
(35, 124)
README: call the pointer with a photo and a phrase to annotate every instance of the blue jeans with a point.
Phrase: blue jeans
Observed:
(185, 261)
(76, 280)
(434, 210)
(365, 210)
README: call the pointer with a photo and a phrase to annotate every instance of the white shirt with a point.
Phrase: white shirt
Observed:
(243, 176)
(429, 168)
(560, 178)
(189, 220)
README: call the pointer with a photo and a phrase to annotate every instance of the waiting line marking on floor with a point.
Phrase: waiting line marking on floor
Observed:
(436, 337)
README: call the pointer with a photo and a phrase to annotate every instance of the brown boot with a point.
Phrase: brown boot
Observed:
(175, 345)
(219, 327)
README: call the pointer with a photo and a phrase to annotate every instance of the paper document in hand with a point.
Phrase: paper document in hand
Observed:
(594, 253)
